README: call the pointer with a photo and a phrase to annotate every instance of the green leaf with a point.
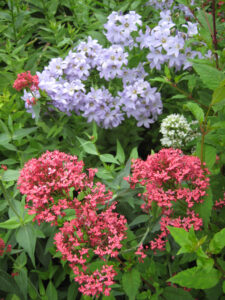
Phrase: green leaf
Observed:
(10, 175)
(104, 174)
(32, 291)
(111, 297)
(37, 108)
(197, 278)
(52, 8)
(178, 96)
(172, 293)
(139, 219)
(4, 138)
(22, 281)
(181, 236)
(224, 287)
(184, 2)
(51, 292)
(218, 95)
(8, 284)
(88, 146)
(196, 110)
(20, 133)
(205, 209)
(120, 155)
(8, 161)
(72, 291)
(131, 282)
(26, 238)
(9, 147)
(209, 154)
(217, 243)
(11, 223)
(109, 158)
(20, 261)
(210, 76)
(134, 153)
(4, 127)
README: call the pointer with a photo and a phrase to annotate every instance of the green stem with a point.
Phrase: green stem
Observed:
(214, 37)
(7, 197)
(144, 237)
(204, 132)
(189, 96)
(140, 243)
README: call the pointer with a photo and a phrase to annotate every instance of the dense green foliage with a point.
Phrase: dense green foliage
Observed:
(192, 264)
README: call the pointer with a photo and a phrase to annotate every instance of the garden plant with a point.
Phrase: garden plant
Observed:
(112, 150)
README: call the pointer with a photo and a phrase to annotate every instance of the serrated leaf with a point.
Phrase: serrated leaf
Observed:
(109, 158)
(172, 293)
(218, 95)
(196, 110)
(131, 282)
(26, 238)
(209, 154)
(217, 243)
(181, 236)
(197, 278)
(210, 76)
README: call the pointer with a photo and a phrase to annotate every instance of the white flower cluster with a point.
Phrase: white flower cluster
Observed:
(176, 131)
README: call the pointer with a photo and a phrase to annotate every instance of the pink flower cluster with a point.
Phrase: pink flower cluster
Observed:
(91, 233)
(4, 249)
(48, 180)
(26, 80)
(220, 203)
(48, 183)
(140, 253)
(175, 182)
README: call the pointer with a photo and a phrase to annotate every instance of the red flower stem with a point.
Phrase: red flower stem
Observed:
(215, 32)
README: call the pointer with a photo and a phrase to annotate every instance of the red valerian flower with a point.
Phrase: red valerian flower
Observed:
(48, 180)
(55, 182)
(26, 80)
(220, 203)
(2, 247)
(91, 233)
(172, 180)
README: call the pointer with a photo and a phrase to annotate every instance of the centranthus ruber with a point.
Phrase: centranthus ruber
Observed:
(175, 183)
(26, 80)
(48, 180)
